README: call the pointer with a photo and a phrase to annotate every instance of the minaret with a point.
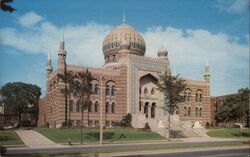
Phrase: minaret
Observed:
(207, 73)
(49, 68)
(61, 61)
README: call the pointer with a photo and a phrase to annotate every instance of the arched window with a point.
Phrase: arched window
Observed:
(146, 109)
(200, 112)
(185, 96)
(78, 103)
(185, 111)
(188, 96)
(153, 110)
(196, 97)
(71, 103)
(189, 111)
(196, 111)
(90, 107)
(107, 107)
(96, 106)
(107, 90)
(113, 91)
(145, 91)
(152, 91)
(96, 89)
(140, 104)
(113, 107)
(199, 96)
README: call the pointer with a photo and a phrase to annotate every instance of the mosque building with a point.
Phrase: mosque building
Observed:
(126, 83)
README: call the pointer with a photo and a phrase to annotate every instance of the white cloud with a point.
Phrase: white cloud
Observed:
(233, 6)
(188, 49)
(30, 19)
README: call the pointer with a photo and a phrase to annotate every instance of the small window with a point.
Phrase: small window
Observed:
(145, 91)
(188, 96)
(107, 90)
(200, 112)
(96, 106)
(107, 107)
(185, 111)
(189, 111)
(113, 91)
(96, 89)
(113, 107)
(152, 91)
(196, 111)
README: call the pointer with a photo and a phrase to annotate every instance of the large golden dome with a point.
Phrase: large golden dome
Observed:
(111, 43)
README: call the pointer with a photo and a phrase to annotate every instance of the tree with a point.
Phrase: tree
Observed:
(126, 121)
(68, 79)
(235, 108)
(82, 90)
(171, 87)
(21, 97)
(5, 7)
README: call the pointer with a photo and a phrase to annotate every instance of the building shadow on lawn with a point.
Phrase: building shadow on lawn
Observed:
(96, 135)
(6, 138)
(244, 134)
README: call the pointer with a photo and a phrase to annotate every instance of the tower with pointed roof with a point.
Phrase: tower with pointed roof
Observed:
(49, 68)
(207, 75)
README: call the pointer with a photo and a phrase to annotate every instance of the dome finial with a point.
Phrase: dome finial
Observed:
(124, 17)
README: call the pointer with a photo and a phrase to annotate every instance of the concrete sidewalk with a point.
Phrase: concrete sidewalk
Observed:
(33, 139)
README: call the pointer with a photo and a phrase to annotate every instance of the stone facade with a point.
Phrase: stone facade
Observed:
(126, 83)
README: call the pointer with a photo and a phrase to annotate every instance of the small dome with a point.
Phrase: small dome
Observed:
(162, 52)
(112, 42)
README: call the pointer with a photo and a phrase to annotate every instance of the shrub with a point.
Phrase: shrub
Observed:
(126, 121)
(207, 125)
(2, 150)
(146, 126)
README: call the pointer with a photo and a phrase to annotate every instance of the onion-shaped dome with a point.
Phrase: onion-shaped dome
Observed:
(111, 43)
(162, 52)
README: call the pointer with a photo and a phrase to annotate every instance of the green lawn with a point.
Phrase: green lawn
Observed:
(92, 135)
(9, 138)
(228, 132)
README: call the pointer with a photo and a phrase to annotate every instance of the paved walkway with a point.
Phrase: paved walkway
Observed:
(34, 139)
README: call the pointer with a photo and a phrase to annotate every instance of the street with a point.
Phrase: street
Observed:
(139, 146)
(206, 153)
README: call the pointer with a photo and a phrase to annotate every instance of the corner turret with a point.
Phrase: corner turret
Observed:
(49, 68)
(207, 75)
(61, 61)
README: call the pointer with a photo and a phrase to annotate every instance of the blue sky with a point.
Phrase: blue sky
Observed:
(193, 32)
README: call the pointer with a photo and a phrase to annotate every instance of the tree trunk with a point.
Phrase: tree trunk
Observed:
(88, 116)
(169, 127)
(82, 127)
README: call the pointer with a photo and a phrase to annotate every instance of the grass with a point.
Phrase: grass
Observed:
(9, 138)
(134, 149)
(228, 132)
(92, 135)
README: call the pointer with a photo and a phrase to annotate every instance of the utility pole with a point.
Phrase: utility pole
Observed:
(101, 124)
(81, 123)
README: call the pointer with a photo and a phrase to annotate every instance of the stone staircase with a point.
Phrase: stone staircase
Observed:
(178, 128)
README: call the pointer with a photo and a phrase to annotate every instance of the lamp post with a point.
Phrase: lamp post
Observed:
(101, 124)
(243, 108)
